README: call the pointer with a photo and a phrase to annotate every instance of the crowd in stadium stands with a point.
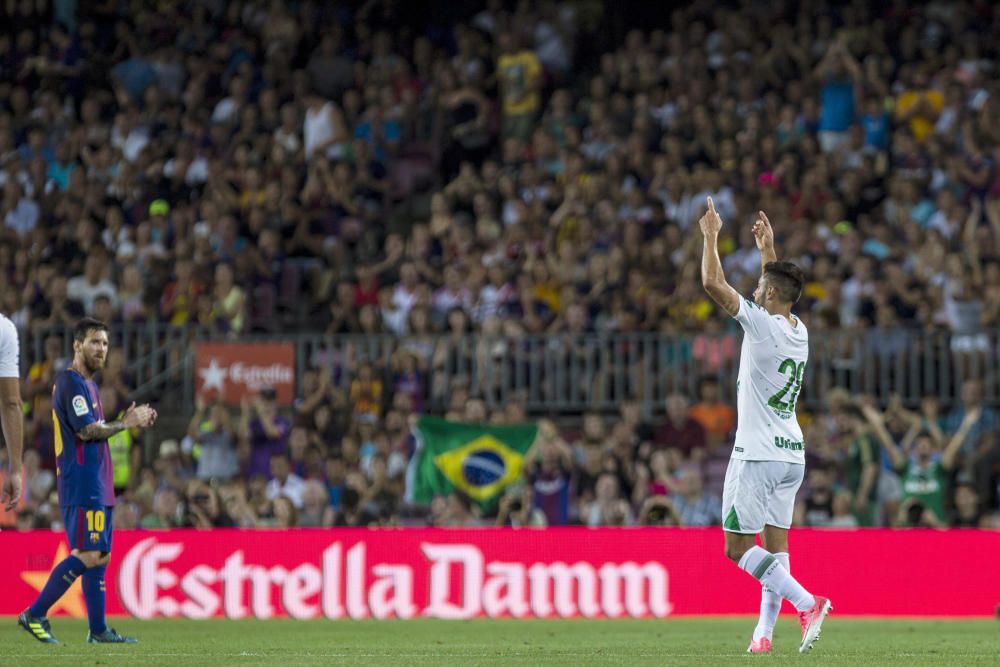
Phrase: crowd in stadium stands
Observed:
(242, 166)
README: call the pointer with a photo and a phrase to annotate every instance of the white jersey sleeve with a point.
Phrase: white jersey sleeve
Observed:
(9, 349)
(754, 319)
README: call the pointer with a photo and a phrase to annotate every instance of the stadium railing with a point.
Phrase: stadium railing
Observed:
(572, 373)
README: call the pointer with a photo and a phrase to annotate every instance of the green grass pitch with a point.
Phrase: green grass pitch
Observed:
(703, 641)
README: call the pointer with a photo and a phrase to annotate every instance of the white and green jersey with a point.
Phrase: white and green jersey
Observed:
(772, 361)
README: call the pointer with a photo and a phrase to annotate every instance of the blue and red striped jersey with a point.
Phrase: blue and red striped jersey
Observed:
(85, 474)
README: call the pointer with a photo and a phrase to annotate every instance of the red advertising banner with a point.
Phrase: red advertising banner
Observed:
(236, 370)
(457, 574)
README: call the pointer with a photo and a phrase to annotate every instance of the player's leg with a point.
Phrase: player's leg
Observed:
(93, 592)
(752, 483)
(94, 595)
(780, 508)
(775, 540)
(742, 509)
(33, 619)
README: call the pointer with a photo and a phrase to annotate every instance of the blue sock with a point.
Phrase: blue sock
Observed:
(93, 593)
(62, 577)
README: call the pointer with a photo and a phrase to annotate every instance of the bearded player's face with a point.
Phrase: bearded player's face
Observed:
(93, 350)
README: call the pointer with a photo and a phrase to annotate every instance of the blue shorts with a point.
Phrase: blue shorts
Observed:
(88, 528)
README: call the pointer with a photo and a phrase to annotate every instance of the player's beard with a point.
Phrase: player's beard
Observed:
(93, 364)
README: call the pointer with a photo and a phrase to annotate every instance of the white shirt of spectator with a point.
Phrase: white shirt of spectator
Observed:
(682, 211)
(852, 292)
(121, 245)
(318, 127)
(293, 488)
(493, 300)
(9, 349)
(196, 173)
(550, 46)
(772, 360)
(225, 111)
(289, 141)
(444, 300)
(743, 262)
(725, 201)
(23, 218)
(940, 222)
(79, 289)
(404, 299)
(130, 145)
(395, 319)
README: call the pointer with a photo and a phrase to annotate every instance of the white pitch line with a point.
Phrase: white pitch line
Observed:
(551, 654)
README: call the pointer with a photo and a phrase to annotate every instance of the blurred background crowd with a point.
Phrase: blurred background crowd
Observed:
(503, 169)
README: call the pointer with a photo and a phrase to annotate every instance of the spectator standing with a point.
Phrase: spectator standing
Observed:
(212, 436)
(840, 73)
(520, 78)
(924, 472)
(266, 430)
(548, 468)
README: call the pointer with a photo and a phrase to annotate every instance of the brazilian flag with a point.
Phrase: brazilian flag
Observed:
(478, 459)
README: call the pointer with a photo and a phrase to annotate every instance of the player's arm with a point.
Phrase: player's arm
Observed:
(713, 278)
(141, 416)
(764, 237)
(11, 415)
(11, 411)
(13, 434)
(950, 452)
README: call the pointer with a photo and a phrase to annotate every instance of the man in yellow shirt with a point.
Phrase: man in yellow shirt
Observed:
(919, 107)
(519, 75)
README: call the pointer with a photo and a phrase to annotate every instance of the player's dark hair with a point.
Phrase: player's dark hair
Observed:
(85, 326)
(786, 278)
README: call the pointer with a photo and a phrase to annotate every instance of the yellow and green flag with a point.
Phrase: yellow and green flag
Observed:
(480, 460)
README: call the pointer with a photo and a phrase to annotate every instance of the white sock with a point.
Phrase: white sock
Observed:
(763, 566)
(770, 605)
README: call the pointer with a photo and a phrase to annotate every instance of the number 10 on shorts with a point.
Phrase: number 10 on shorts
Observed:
(95, 520)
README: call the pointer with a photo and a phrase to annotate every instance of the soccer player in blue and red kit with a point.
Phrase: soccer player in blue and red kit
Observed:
(85, 483)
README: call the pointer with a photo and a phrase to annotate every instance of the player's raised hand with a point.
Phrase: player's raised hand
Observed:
(762, 232)
(710, 223)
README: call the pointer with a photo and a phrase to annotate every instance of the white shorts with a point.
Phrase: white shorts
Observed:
(758, 493)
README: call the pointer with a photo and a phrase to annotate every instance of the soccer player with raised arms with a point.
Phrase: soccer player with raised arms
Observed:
(768, 460)
(86, 484)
